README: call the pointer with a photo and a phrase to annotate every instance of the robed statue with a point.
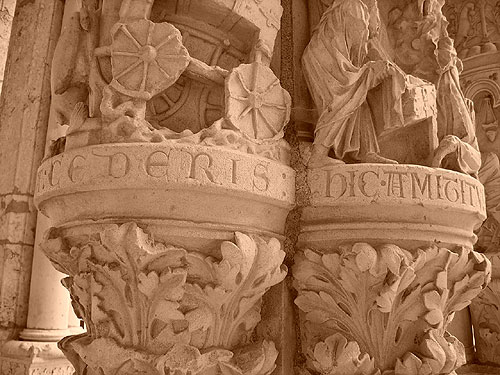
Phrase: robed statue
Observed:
(340, 74)
(345, 61)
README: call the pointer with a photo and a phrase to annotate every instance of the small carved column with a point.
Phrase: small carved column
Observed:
(168, 204)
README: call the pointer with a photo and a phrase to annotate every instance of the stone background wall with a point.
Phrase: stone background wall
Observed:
(6, 14)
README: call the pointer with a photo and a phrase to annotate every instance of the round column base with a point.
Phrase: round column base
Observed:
(44, 335)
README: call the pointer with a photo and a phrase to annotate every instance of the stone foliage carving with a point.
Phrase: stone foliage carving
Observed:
(372, 310)
(155, 309)
(486, 318)
(157, 81)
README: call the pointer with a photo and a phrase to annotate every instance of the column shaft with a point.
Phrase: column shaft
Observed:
(49, 300)
(24, 111)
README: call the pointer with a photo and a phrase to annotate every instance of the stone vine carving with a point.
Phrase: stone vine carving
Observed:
(156, 309)
(485, 311)
(138, 67)
(384, 310)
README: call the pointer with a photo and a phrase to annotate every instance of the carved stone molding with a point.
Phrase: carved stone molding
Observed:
(151, 308)
(372, 310)
(176, 186)
(33, 358)
(403, 204)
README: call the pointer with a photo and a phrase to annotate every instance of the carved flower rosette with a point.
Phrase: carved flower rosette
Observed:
(385, 310)
(150, 308)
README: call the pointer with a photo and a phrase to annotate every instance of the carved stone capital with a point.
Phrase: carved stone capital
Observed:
(151, 308)
(376, 310)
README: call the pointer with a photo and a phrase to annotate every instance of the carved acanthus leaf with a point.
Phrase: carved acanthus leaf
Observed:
(438, 353)
(336, 356)
(106, 356)
(162, 306)
(386, 299)
(128, 287)
(226, 295)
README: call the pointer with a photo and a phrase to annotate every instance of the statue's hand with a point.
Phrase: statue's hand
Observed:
(447, 146)
(383, 69)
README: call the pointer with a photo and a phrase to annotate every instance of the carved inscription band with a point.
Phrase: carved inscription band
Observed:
(381, 183)
(133, 166)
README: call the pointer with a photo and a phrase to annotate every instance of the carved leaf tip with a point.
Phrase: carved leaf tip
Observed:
(337, 356)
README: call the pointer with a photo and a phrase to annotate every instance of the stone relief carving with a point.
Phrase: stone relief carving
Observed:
(33, 358)
(425, 49)
(174, 75)
(484, 309)
(160, 309)
(489, 234)
(373, 310)
(340, 73)
(163, 82)
(365, 89)
(487, 119)
(486, 318)
(474, 26)
(16, 368)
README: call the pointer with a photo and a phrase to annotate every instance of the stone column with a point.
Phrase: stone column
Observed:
(368, 280)
(24, 111)
(48, 305)
(169, 194)
(47, 320)
(386, 247)
(74, 323)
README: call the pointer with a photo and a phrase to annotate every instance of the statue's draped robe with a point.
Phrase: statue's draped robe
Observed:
(339, 78)
(489, 175)
(454, 116)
